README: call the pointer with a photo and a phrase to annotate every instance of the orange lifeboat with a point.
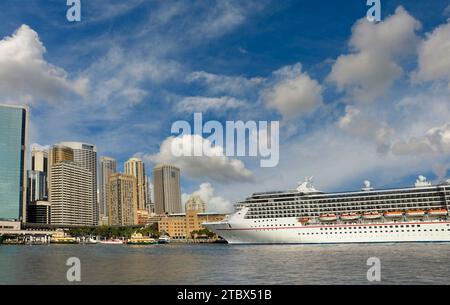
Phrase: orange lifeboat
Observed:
(350, 217)
(415, 213)
(328, 217)
(372, 215)
(303, 220)
(438, 212)
(394, 214)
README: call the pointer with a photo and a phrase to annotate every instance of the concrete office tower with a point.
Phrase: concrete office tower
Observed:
(135, 167)
(107, 167)
(72, 194)
(166, 185)
(122, 201)
(13, 172)
(37, 177)
(86, 156)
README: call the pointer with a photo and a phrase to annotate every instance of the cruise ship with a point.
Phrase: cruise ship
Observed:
(308, 216)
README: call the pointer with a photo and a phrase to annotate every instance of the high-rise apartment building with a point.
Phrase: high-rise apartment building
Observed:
(122, 201)
(135, 167)
(85, 155)
(107, 167)
(71, 194)
(167, 191)
(13, 147)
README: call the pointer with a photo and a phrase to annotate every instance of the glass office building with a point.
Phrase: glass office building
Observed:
(13, 137)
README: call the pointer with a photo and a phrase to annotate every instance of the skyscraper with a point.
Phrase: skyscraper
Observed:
(108, 166)
(13, 147)
(122, 201)
(135, 167)
(37, 177)
(85, 155)
(166, 184)
(71, 194)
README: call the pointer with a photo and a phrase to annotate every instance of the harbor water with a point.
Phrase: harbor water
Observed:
(422, 263)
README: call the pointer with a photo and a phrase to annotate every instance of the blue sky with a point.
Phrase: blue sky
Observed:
(355, 100)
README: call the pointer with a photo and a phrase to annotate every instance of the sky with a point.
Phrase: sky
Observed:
(355, 99)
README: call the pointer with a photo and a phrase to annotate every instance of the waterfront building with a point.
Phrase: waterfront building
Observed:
(71, 194)
(181, 225)
(108, 166)
(122, 201)
(85, 155)
(143, 217)
(13, 147)
(135, 167)
(166, 184)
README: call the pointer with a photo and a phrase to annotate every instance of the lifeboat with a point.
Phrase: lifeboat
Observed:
(350, 217)
(394, 214)
(438, 212)
(372, 215)
(328, 217)
(415, 213)
(303, 220)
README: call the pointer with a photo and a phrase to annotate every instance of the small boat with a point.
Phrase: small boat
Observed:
(91, 241)
(415, 213)
(111, 242)
(394, 214)
(164, 239)
(328, 217)
(350, 217)
(372, 215)
(60, 237)
(139, 239)
(438, 212)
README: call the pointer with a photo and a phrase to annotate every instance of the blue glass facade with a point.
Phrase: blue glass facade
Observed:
(13, 124)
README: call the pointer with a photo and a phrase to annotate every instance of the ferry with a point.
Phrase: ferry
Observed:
(111, 242)
(60, 237)
(307, 216)
(139, 239)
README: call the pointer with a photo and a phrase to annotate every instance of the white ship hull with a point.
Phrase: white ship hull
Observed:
(289, 231)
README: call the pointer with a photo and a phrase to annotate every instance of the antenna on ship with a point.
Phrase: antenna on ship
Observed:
(367, 186)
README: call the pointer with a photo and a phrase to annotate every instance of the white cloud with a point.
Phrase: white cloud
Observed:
(435, 140)
(434, 56)
(369, 72)
(213, 202)
(293, 93)
(213, 164)
(222, 84)
(204, 104)
(358, 123)
(26, 77)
